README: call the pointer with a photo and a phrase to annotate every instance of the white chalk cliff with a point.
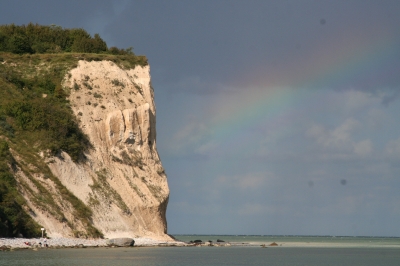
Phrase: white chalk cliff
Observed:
(122, 179)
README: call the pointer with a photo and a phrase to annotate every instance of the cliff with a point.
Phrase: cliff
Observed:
(118, 188)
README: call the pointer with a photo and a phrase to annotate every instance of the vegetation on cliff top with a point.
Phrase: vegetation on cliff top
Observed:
(39, 39)
(35, 116)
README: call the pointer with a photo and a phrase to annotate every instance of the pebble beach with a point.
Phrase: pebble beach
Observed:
(35, 243)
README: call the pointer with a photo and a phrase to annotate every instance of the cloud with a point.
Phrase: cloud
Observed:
(249, 181)
(344, 205)
(363, 148)
(339, 141)
(191, 137)
(388, 99)
(207, 148)
(253, 209)
(354, 100)
(393, 148)
(376, 118)
(338, 138)
(198, 85)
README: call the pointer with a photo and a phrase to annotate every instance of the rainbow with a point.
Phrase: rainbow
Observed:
(344, 65)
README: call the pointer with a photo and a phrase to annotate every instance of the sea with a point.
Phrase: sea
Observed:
(244, 250)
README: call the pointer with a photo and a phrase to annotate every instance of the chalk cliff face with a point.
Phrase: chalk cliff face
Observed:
(121, 179)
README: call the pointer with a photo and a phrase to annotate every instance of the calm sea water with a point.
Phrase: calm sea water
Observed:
(386, 254)
(323, 241)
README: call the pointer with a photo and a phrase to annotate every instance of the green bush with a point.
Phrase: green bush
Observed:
(34, 38)
(46, 122)
(13, 218)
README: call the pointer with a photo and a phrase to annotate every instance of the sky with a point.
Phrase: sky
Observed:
(273, 117)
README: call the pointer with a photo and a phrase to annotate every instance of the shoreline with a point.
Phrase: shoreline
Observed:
(8, 244)
(55, 243)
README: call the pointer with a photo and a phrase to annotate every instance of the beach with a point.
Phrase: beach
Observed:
(36, 243)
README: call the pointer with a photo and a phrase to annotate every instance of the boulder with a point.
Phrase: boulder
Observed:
(121, 242)
(4, 248)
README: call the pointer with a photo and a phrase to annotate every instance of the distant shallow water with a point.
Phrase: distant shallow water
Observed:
(299, 241)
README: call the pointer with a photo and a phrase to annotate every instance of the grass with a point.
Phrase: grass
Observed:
(155, 190)
(103, 189)
(134, 186)
(14, 220)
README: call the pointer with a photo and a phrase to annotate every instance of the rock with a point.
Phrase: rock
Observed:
(219, 240)
(273, 244)
(121, 242)
(4, 248)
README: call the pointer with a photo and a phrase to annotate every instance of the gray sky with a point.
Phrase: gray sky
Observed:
(273, 117)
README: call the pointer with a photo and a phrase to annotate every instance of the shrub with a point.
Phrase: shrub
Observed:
(116, 82)
(53, 119)
(13, 218)
(87, 85)
(41, 39)
(97, 95)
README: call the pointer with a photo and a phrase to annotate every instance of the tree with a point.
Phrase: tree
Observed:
(19, 44)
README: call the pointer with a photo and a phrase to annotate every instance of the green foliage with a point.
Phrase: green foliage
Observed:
(103, 188)
(116, 51)
(155, 190)
(13, 219)
(18, 44)
(11, 76)
(87, 85)
(51, 118)
(86, 44)
(39, 39)
(116, 82)
(26, 112)
(5, 128)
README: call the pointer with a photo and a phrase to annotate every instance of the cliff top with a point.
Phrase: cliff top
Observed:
(41, 39)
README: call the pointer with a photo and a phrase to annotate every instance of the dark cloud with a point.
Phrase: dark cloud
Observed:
(391, 98)
(71, 14)
(236, 43)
